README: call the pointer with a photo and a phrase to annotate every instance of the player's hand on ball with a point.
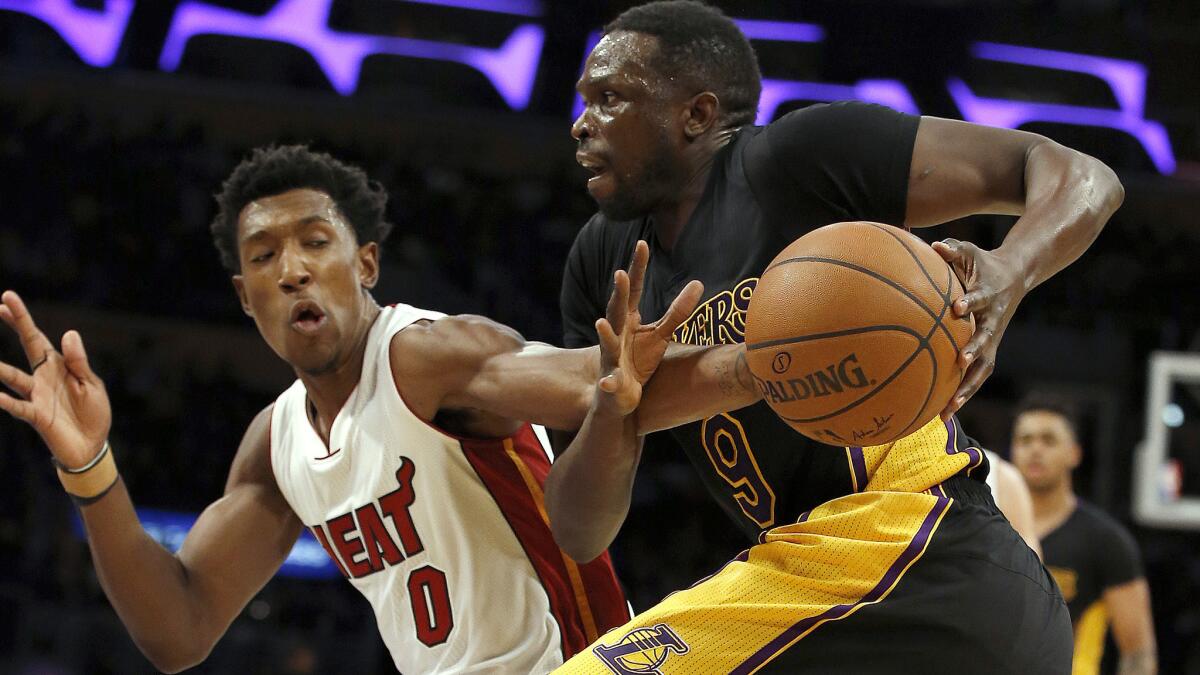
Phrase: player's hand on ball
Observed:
(630, 351)
(60, 397)
(994, 287)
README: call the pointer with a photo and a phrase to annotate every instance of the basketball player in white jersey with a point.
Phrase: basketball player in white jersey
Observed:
(404, 446)
(1012, 498)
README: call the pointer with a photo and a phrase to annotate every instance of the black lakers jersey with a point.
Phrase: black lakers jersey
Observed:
(767, 187)
(1089, 553)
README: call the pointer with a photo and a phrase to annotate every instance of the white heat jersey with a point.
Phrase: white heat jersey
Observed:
(446, 537)
(993, 477)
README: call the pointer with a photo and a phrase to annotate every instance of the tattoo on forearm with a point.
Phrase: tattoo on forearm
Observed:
(726, 380)
(744, 378)
(734, 380)
(1141, 662)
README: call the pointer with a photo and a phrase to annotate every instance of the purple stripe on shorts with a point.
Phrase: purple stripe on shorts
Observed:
(974, 453)
(741, 557)
(859, 464)
(910, 553)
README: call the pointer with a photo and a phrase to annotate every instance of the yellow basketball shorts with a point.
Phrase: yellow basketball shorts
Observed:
(873, 582)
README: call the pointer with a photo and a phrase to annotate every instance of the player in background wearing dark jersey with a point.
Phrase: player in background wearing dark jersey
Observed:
(670, 95)
(300, 234)
(1092, 557)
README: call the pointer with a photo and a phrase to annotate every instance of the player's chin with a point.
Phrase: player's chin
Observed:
(618, 206)
(314, 355)
(602, 187)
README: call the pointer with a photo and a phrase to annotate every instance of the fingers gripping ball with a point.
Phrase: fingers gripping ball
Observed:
(850, 334)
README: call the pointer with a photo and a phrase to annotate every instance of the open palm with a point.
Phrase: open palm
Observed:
(60, 397)
(630, 351)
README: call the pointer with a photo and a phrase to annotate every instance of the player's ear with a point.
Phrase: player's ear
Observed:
(702, 112)
(239, 286)
(1076, 454)
(368, 264)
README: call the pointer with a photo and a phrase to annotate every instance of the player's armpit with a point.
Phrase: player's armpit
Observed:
(176, 607)
(693, 383)
(1133, 626)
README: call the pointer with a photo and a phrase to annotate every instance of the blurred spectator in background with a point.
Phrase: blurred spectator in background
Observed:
(1092, 557)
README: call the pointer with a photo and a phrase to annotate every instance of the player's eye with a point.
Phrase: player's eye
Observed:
(262, 257)
(316, 243)
(609, 97)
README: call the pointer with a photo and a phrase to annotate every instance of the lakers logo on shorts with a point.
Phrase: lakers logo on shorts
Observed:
(641, 651)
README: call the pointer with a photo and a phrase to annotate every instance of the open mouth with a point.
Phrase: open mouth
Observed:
(593, 165)
(307, 317)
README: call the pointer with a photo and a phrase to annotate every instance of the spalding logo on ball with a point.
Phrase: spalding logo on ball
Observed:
(850, 334)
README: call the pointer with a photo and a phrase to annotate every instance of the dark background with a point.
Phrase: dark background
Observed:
(106, 177)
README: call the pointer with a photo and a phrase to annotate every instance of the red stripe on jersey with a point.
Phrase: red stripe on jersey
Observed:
(586, 600)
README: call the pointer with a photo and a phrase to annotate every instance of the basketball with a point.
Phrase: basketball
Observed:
(850, 334)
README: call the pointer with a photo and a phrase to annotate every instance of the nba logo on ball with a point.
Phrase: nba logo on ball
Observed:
(641, 651)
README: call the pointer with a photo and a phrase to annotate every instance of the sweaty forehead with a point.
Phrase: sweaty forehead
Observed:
(267, 215)
(621, 55)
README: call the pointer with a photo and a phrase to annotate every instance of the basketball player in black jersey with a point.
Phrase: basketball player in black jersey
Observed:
(1094, 560)
(670, 97)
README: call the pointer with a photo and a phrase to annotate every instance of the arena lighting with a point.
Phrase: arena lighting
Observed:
(783, 31)
(519, 7)
(511, 67)
(95, 35)
(776, 92)
(888, 92)
(307, 559)
(1126, 79)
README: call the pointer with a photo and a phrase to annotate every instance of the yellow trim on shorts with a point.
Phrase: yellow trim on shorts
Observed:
(850, 552)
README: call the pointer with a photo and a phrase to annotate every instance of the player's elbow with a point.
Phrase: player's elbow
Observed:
(177, 657)
(581, 548)
(569, 533)
(1107, 188)
(1101, 189)
(184, 647)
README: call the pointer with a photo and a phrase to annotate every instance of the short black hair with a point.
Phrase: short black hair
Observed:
(1041, 401)
(276, 169)
(698, 43)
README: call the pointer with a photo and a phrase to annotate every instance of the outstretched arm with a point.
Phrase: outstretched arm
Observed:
(474, 366)
(1063, 198)
(175, 606)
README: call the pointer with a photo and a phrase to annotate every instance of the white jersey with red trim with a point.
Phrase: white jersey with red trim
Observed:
(460, 568)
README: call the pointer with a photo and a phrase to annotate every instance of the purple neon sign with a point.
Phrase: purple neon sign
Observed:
(1126, 79)
(776, 92)
(95, 35)
(518, 7)
(511, 67)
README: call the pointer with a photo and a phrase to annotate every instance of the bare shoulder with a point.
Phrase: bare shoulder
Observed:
(252, 464)
(450, 345)
(433, 361)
